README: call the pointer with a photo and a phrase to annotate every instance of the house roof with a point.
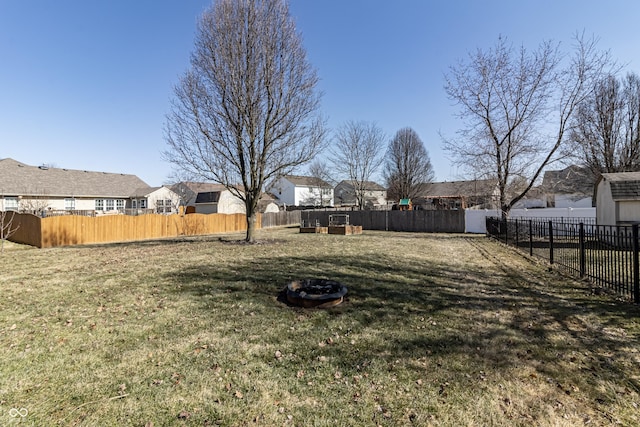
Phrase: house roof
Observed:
(478, 187)
(144, 191)
(368, 185)
(201, 187)
(571, 180)
(19, 179)
(306, 181)
(624, 185)
(208, 197)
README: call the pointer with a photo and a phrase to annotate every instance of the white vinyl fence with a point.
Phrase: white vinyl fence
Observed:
(475, 219)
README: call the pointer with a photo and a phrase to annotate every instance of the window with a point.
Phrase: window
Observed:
(163, 206)
(143, 203)
(109, 205)
(134, 204)
(120, 204)
(69, 204)
(99, 204)
(10, 203)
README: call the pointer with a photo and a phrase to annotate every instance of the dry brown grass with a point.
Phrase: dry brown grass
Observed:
(441, 330)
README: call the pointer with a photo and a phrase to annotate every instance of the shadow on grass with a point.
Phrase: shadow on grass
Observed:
(491, 319)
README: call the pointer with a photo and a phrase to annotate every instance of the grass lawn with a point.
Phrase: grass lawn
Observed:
(443, 330)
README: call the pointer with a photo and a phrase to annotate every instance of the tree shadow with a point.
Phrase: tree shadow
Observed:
(498, 318)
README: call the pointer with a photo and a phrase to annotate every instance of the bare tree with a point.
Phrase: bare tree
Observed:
(408, 168)
(322, 177)
(7, 229)
(246, 110)
(606, 131)
(358, 152)
(34, 204)
(516, 106)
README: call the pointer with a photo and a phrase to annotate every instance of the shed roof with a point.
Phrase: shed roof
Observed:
(624, 185)
(19, 179)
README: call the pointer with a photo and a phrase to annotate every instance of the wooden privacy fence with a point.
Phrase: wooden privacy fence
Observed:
(280, 219)
(79, 230)
(426, 221)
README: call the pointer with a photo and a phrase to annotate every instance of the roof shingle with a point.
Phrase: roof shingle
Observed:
(19, 179)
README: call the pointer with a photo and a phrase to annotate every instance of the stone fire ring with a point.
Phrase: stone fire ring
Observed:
(319, 293)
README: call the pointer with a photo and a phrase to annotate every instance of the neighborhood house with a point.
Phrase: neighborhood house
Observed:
(375, 195)
(474, 194)
(569, 188)
(206, 198)
(46, 190)
(294, 190)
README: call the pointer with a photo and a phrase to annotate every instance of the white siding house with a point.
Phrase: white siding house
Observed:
(206, 197)
(293, 190)
(155, 199)
(222, 201)
(618, 198)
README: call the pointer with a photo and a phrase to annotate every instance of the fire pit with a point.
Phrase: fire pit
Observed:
(315, 293)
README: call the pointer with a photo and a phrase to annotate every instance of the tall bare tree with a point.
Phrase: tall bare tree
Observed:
(516, 107)
(408, 168)
(247, 109)
(358, 153)
(606, 131)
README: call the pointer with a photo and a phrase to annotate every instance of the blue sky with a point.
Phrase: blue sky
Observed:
(86, 84)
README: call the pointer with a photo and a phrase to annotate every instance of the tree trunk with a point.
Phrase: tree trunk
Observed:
(252, 221)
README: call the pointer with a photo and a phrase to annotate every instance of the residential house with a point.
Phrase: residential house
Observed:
(618, 198)
(473, 194)
(571, 187)
(294, 190)
(41, 189)
(161, 200)
(375, 195)
(206, 197)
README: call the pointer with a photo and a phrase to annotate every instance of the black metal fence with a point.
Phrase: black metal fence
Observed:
(606, 255)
